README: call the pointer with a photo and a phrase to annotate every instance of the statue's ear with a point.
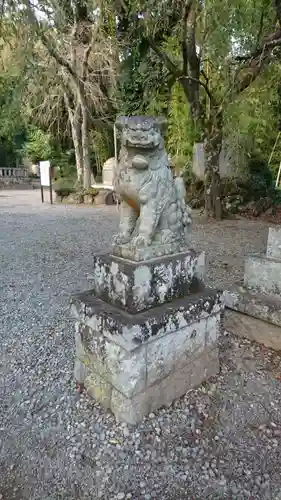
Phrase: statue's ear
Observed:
(120, 122)
(162, 123)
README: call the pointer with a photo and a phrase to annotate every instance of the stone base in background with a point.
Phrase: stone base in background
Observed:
(254, 310)
(273, 249)
(138, 286)
(263, 274)
(134, 364)
(254, 316)
(264, 307)
(105, 197)
(253, 329)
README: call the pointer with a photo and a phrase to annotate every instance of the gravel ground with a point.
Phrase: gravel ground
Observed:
(219, 442)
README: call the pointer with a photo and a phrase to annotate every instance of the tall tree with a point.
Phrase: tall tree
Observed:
(222, 47)
(83, 59)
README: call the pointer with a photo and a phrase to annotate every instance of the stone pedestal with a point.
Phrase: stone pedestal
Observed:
(137, 286)
(254, 309)
(147, 332)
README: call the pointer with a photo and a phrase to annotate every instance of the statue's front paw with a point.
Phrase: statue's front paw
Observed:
(141, 241)
(121, 239)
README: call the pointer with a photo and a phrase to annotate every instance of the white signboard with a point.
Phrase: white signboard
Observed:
(45, 173)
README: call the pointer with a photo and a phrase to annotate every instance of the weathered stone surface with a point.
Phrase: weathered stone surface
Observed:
(129, 331)
(204, 367)
(213, 329)
(165, 391)
(177, 350)
(160, 358)
(104, 197)
(230, 165)
(256, 307)
(80, 365)
(133, 375)
(80, 370)
(263, 274)
(154, 215)
(99, 389)
(132, 252)
(139, 286)
(130, 410)
(252, 328)
(274, 243)
(264, 307)
(124, 370)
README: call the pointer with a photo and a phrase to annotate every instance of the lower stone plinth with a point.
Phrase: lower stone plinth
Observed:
(254, 316)
(253, 329)
(254, 310)
(134, 364)
(264, 307)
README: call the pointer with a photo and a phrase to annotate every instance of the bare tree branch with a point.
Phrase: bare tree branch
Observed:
(165, 58)
(85, 60)
(269, 42)
(202, 84)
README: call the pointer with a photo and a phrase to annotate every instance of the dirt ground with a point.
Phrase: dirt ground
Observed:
(221, 441)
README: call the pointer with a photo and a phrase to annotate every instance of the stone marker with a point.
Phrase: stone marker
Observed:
(108, 170)
(147, 332)
(254, 309)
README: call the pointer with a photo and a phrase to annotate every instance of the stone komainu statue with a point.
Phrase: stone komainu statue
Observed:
(153, 210)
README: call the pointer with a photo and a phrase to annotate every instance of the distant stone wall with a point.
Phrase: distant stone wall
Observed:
(15, 178)
(13, 173)
(231, 165)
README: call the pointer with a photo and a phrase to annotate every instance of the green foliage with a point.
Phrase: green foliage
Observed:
(38, 146)
(252, 122)
(144, 82)
(12, 128)
(90, 192)
(31, 96)
(260, 178)
(64, 186)
(102, 147)
(180, 138)
(64, 161)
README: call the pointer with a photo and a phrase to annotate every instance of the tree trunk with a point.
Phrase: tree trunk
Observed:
(197, 113)
(85, 139)
(213, 202)
(75, 123)
(76, 137)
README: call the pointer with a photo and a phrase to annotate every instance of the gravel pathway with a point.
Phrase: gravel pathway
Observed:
(219, 442)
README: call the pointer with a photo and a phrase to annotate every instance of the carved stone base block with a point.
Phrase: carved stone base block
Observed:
(252, 328)
(253, 315)
(263, 274)
(130, 252)
(136, 363)
(135, 286)
(256, 306)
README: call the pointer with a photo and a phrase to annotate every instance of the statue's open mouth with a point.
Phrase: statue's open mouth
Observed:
(141, 144)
